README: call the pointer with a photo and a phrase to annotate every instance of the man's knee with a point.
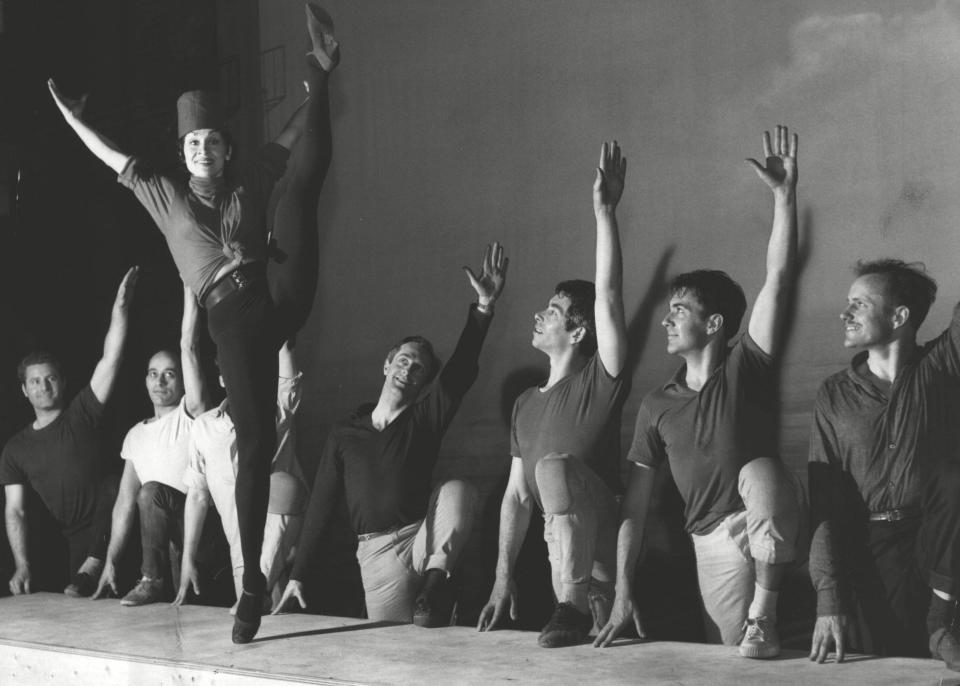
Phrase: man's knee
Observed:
(553, 474)
(150, 495)
(459, 494)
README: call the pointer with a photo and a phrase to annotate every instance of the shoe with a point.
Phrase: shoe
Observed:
(760, 639)
(82, 585)
(246, 621)
(325, 49)
(433, 606)
(567, 627)
(944, 645)
(145, 592)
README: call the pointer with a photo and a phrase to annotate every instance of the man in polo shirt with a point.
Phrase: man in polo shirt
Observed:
(715, 422)
(885, 478)
(565, 437)
(155, 455)
(60, 457)
(380, 462)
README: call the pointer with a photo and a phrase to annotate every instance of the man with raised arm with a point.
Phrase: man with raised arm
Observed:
(60, 457)
(155, 451)
(380, 461)
(211, 476)
(565, 437)
(885, 478)
(715, 422)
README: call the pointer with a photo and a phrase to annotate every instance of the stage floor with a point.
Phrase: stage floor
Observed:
(51, 639)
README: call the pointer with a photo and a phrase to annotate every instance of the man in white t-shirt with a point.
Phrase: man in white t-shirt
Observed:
(155, 451)
(212, 473)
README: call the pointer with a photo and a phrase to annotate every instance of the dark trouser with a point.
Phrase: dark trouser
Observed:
(902, 561)
(90, 536)
(161, 523)
(250, 325)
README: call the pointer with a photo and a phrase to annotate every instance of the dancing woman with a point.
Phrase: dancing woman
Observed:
(216, 229)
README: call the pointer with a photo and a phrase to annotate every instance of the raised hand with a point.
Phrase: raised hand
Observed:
(493, 275)
(125, 292)
(294, 590)
(608, 186)
(622, 613)
(780, 170)
(68, 106)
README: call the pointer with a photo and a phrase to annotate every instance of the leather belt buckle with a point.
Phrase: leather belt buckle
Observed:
(239, 279)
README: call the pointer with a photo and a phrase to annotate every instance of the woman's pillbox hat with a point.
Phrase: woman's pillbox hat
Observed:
(198, 110)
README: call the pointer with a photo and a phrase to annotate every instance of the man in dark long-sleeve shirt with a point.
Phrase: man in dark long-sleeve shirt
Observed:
(381, 461)
(884, 475)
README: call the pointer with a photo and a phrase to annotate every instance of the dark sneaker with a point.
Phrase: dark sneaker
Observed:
(760, 639)
(434, 605)
(944, 645)
(246, 621)
(145, 592)
(567, 627)
(82, 585)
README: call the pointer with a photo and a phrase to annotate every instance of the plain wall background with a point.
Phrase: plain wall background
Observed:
(459, 123)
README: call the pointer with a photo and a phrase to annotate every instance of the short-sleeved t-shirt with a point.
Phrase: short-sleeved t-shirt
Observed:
(204, 220)
(63, 462)
(579, 416)
(710, 434)
(158, 447)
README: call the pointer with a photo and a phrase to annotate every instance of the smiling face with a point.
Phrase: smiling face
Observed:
(870, 318)
(43, 386)
(687, 325)
(550, 333)
(408, 370)
(205, 152)
(164, 381)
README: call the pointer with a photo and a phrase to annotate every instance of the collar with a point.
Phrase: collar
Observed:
(207, 189)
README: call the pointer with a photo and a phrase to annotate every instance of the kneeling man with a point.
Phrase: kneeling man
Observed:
(381, 459)
(565, 437)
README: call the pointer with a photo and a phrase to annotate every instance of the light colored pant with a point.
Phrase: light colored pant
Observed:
(392, 564)
(766, 531)
(580, 516)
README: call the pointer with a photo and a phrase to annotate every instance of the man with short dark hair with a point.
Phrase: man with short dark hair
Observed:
(565, 437)
(885, 478)
(380, 461)
(715, 423)
(155, 456)
(60, 457)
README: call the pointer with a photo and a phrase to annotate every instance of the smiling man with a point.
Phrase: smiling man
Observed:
(565, 437)
(885, 478)
(60, 457)
(155, 455)
(715, 424)
(380, 461)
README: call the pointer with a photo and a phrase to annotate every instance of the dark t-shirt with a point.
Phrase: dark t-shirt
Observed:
(579, 416)
(386, 475)
(63, 462)
(202, 216)
(710, 434)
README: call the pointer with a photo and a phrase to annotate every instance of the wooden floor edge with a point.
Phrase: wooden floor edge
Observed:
(176, 664)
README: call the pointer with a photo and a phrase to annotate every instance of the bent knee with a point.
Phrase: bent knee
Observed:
(149, 494)
(553, 475)
(461, 492)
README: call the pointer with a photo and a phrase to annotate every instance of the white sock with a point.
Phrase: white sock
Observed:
(764, 603)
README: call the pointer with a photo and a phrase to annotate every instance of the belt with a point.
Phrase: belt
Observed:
(367, 537)
(895, 515)
(232, 282)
